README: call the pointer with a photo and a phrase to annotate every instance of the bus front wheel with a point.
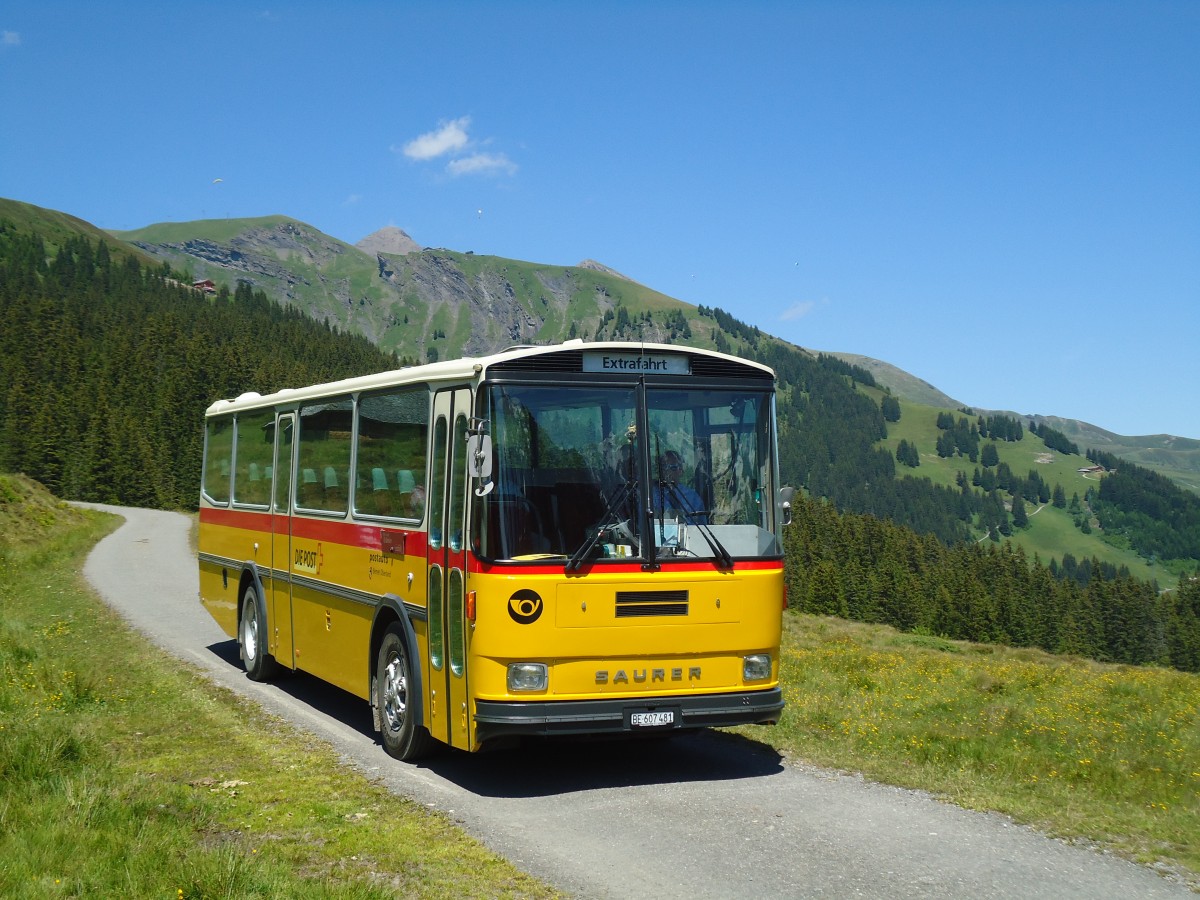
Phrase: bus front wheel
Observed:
(403, 736)
(252, 640)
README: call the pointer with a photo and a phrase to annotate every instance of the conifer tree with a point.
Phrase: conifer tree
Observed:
(890, 407)
(1020, 518)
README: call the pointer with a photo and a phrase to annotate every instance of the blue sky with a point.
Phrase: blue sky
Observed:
(1002, 198)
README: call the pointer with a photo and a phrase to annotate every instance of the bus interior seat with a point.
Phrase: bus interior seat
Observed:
(310, 492)
(406, 484)
(335, 493)
(381, 494)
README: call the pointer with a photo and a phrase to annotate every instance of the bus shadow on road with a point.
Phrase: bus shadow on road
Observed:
(324, 698)
(545, 767)
(539, 767)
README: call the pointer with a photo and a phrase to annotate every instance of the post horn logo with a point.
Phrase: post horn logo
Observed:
(525, 606)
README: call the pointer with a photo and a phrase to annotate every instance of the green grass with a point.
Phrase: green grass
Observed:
(1051, 533)
(1079, 749)
(124, 774)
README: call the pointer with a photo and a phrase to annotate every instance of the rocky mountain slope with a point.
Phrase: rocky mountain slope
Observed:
(421, 303)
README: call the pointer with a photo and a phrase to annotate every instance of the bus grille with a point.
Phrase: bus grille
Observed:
(632, 604)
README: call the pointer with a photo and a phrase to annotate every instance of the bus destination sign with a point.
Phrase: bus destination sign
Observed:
(637, 363)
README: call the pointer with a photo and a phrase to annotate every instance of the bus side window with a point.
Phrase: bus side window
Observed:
(255, 450)
(393, 428)
(283, 481)
(324, 455)
(218, 459)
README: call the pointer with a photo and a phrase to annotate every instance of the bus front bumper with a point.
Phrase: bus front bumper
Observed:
(495, 719)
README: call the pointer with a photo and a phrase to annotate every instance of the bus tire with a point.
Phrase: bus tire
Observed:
(252, 639)
(403, 737)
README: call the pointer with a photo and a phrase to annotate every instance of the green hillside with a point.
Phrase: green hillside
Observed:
(1176, 458)
(110, 364)
(291, 262)
(55, 228)
(220, 230)
(904, 385)
(1052, 532)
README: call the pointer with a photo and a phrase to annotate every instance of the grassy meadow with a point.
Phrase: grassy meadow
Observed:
(112, 781)
(125, 774)
(1109, 754)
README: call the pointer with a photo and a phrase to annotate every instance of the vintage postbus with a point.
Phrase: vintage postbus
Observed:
(574, 539)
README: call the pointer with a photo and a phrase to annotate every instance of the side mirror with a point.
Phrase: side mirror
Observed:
(479, 455)
(479, 461)
(785, 501)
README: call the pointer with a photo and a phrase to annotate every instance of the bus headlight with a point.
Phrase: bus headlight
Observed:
(756, 667)
(525, 677)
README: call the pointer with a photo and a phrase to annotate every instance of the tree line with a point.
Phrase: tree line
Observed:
(1054, 439)
(1159, 518)
(871, 570)
(110, 364)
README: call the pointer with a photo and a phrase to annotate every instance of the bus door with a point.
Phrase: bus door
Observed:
(279, 599)
(449, 717)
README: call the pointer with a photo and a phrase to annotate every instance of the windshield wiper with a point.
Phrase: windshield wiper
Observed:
(693, 518)
(612, 502)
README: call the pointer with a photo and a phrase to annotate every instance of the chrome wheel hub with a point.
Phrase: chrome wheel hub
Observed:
(250, 636)
(395, 693)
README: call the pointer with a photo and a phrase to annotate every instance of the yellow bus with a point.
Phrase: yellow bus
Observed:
(563, 540)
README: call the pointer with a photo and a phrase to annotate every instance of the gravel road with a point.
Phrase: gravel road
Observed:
(699, 816)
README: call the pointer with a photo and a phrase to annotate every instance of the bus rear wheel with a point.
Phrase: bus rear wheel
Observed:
(252, 640)
(403, 737)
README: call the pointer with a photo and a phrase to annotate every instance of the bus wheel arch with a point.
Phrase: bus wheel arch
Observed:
(396, 685)
(252, 629)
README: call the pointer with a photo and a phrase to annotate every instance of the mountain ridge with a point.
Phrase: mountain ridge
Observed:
(514, 301)
(422, 303)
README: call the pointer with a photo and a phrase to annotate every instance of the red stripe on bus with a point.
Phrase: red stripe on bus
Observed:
(416, 543)
(352, 534)
(237, 518)
(478, 567)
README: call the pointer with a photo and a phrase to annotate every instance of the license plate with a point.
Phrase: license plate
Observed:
(652, 719)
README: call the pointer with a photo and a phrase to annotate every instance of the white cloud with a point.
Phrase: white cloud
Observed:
(481, 164)
(10, 38)
(797, 310)
(450, 137)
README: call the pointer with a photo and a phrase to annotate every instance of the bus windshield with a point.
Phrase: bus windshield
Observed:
(585, 474)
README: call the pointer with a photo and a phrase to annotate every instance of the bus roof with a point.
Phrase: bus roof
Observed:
(466, 369)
